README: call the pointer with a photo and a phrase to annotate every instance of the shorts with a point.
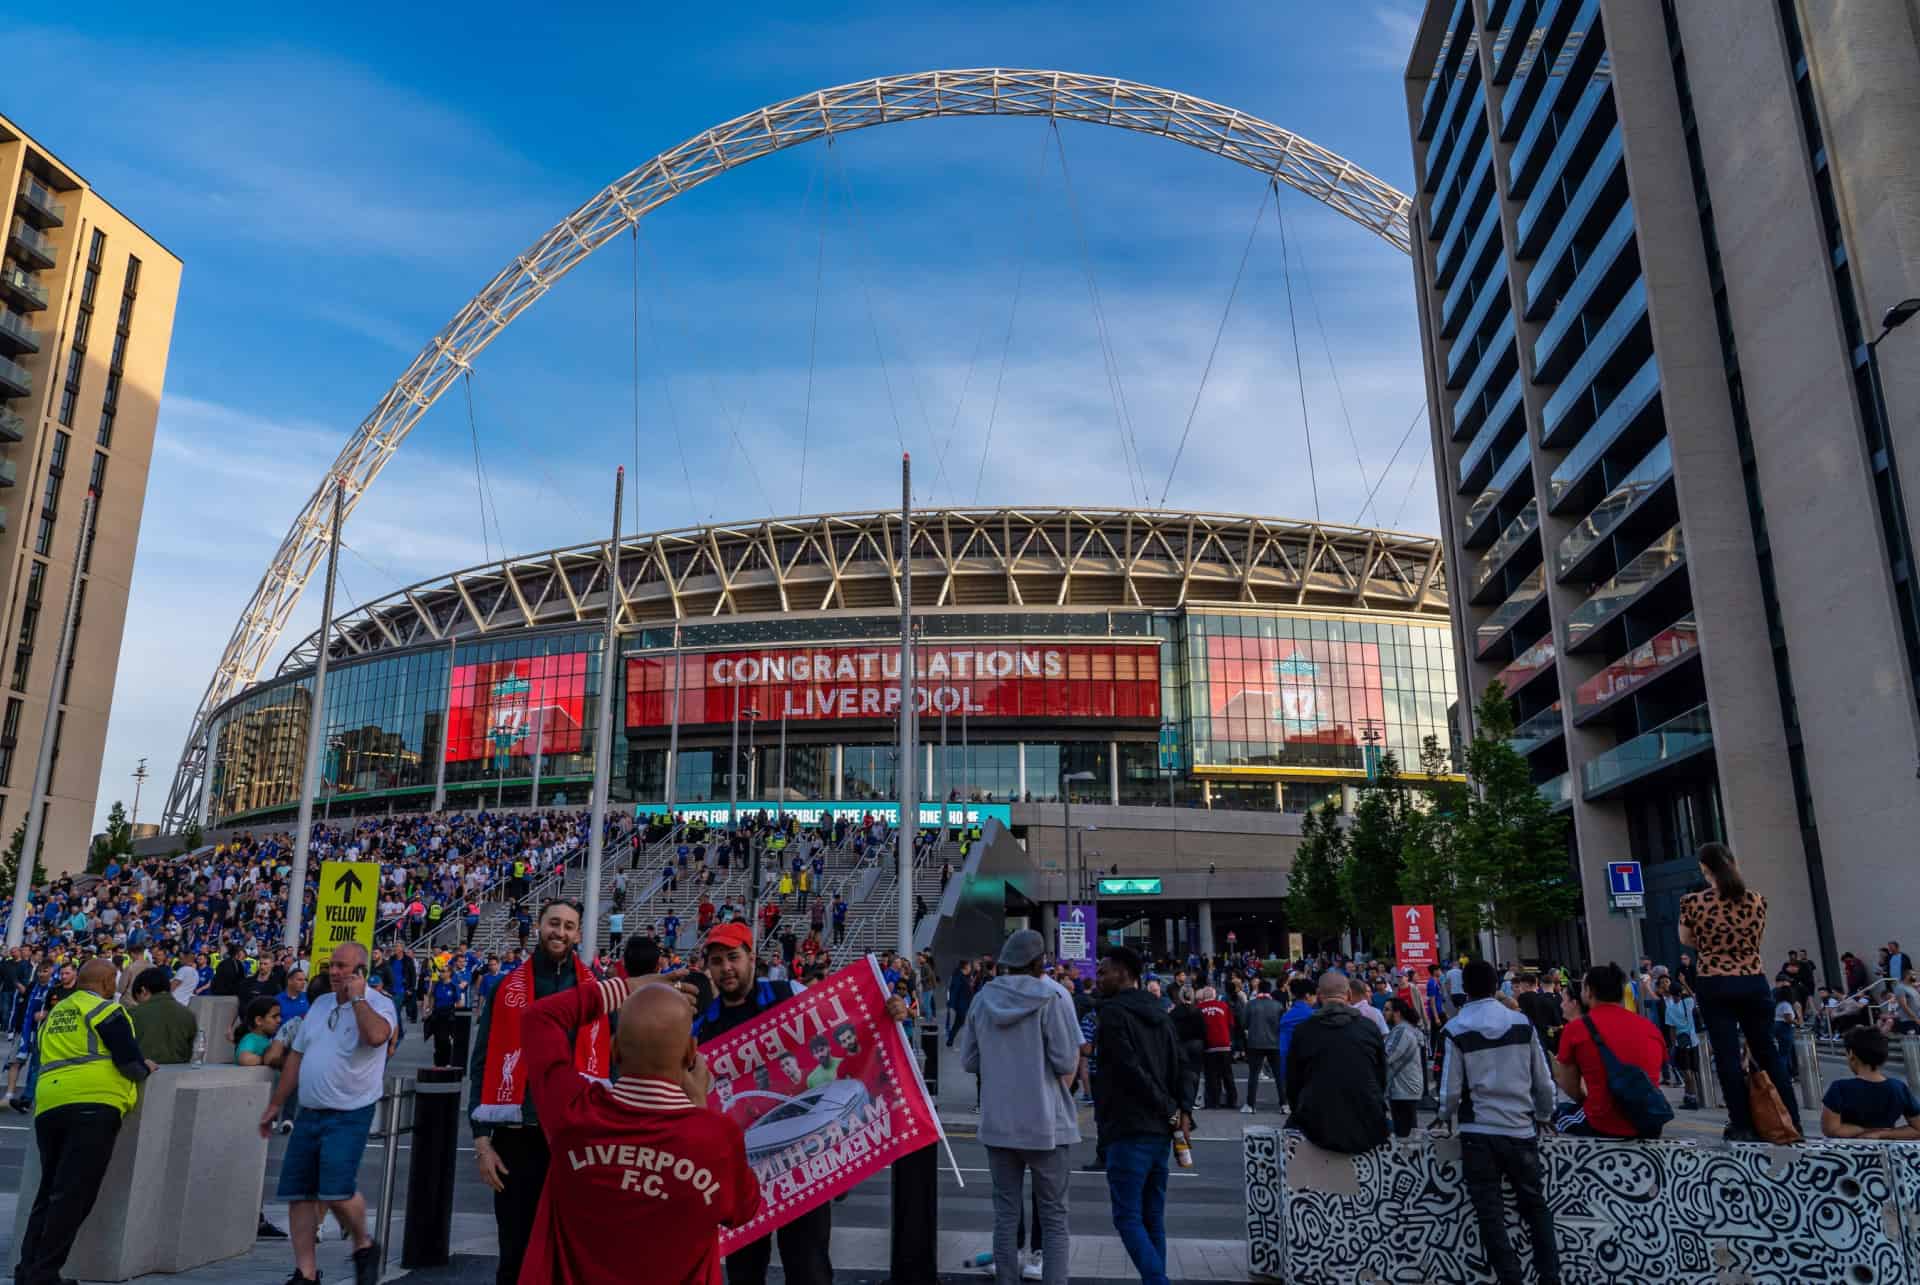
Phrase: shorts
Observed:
(322, 1161)
(1686, 1057)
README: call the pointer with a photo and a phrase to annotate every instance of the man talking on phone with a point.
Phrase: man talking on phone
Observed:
(337, 1065)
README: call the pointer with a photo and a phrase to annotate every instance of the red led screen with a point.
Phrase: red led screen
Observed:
(987, 680)
(497, 706)
(1283, 689)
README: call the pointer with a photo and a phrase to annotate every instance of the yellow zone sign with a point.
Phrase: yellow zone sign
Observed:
(348, 905)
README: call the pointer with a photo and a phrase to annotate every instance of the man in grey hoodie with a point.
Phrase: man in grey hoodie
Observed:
(1022, 1039)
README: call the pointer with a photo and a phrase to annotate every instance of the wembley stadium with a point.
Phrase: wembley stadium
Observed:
(1241, 668)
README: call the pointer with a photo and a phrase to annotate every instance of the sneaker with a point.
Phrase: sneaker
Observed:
(1246, 1110)
(1030, 1269)
(298, 1279)
(366, 1264)
(1689, 1104)
(267, 1231)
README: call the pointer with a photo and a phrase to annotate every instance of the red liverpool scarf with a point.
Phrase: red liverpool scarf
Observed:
(505, 1087)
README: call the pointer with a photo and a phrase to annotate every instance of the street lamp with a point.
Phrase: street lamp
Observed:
(1066, 798)
(1894, 318)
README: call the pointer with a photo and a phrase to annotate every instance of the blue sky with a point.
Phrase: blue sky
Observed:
(338, 184)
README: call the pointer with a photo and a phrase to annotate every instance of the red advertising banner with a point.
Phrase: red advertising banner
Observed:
(983, 680)
(827, 1092)
(1280, 690)
(517, 707)
(1414, 944)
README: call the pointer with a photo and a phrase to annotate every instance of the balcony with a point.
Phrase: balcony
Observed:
(1592, 115)
(1510, 470)
(1528, 665)
(1492, 292)
(1632, 415)
(1510, 46)
(1459, 42)
(1452, 236)
(3, 518)
(13, 428)
(1462, 137)
(14, 379)
(15, 334)
(1484, 236)
(1558, 792)
(27, 294)
(1613, 256)
(29, 245)
(1471, 409)
(1627, 499)
(1663, 653)
(1518, 532)
(7, 474)
(1533, 224)
(1649, 568)
(1558, 420)
(1501, 428)
(1518, 606)
(1674, 741)
(1449, 197)
(37, 203)
(1539, 730)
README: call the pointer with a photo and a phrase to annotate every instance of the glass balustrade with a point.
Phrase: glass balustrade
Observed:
(14, 378)
(38, 197)
(1503, 477)
(1538, 730)
(1479, 188)
(1676, 739)
(1566, 227)
(1665, 649)
(20, 282)
(16, 325)
(1653, 470)
(1529, 665)
(1652, 563)
(1518, 603)
(1557, 418)
(1483, 236)
(1625, 408)
(12, 427)
(1558, 57)
(1565, 321)
(31, 244)
(1558, 792)
(1518, 532)
(7, 475)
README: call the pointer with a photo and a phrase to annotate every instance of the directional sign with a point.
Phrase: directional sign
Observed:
(1624, 887)
(1129, 887)
(1079, 931)
(349, 891)
(1169, 747)
(1413, 940)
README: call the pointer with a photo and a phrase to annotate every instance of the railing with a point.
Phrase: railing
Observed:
(1518, 603)
(1567, 223)
(1565, 322)
(1626, 407)
(1538, 730)
(1504, 476)
(32, 242)
(1558, 792)
(16, 375)
(1654, 468)
(40, 197)
(16, 325)
(1678, 738)
(1649, 565)
(13, 427)
(1528, 665)
(1556, 419)
(1518, 532)
(1667, 648)
(26, 285)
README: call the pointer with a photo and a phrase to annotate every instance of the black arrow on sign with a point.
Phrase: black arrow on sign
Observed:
(350, 880)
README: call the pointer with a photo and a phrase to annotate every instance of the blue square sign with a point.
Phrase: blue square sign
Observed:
(1623, 881)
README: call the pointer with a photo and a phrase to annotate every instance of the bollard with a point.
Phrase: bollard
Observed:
(1807, 1049)
(916, 1217)
(1910, 1054)
(462, 1037)
(930, 1057)
(436, 1139)
(1710, 1095)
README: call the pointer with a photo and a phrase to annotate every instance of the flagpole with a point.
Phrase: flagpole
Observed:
(603, 738)
(316, 730)
(909, 795)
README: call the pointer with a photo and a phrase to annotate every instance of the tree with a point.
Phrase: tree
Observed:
(116, 843)
(1315, 899)
(1430, 856)
(10, 860)
(1370, 875)
(1515, 848)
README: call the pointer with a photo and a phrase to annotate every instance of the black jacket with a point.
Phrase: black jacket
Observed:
(1337, 1081)
(1138, 1085)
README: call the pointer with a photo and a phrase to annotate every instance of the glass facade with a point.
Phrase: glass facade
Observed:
(1266, 690)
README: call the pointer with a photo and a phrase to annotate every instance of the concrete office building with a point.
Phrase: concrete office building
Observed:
(1653, 244)
(86, 317)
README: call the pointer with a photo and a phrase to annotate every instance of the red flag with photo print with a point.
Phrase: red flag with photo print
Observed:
(827, 1091)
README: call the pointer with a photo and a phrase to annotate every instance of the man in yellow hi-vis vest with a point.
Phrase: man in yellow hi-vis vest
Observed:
(90, 1070)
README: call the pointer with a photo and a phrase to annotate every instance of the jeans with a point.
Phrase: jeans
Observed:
(76, 1144)
(1219, 1071)
(1270, 1059)
(1737, 1007)
(1137, 1183)
(1050, 1169)
(1402, 1111)
(1487, 1158)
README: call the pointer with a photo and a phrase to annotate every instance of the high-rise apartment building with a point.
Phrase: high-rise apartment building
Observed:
(86, 317)
(1654, 244)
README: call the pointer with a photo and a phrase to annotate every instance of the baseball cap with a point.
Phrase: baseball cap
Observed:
(1022, 949)
(729, 935)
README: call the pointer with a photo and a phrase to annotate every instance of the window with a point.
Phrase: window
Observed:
(82, 328)
(97, 478)
(110, 403)
(9, 737)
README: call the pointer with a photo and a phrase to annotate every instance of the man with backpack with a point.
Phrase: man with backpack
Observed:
(1609, 1064)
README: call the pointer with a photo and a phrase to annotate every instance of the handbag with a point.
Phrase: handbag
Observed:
(1770, 1118)
(1644, 1105)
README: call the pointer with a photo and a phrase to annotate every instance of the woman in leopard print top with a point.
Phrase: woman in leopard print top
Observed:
(1724, 924)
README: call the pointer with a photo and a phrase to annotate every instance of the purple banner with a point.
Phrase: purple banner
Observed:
(1078, 943)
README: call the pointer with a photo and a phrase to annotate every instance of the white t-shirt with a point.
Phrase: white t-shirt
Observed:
(1372, 1014)
(337, 1071)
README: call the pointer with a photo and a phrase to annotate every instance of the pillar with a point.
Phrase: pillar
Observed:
(1113, 772)
(1206, 928)
(1020, 784)
(839, 772)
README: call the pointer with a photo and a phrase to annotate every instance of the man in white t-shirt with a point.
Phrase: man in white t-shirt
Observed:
(337, 1063)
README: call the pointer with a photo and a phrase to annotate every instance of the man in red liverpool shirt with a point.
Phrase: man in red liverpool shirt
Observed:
(1218, 1017)
(1579, 1069)
(637, 1163)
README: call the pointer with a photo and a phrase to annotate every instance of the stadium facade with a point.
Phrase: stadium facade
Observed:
(1264, 660)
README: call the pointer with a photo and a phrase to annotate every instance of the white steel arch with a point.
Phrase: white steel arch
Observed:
(1100, 100)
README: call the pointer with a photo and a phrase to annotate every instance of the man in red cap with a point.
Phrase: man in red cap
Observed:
(740, 997)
